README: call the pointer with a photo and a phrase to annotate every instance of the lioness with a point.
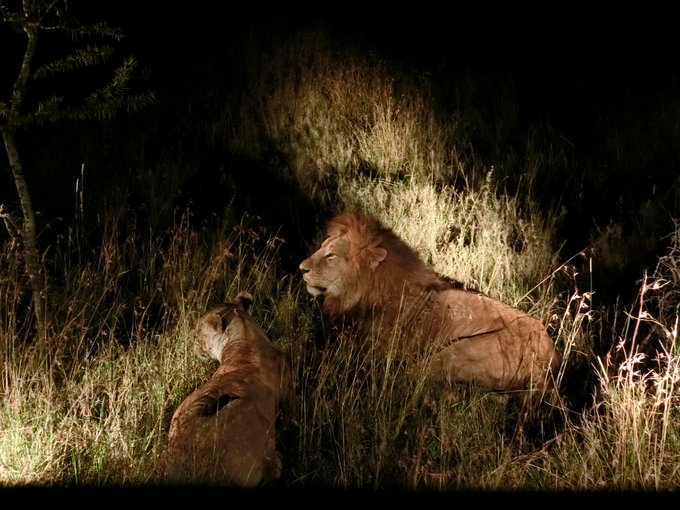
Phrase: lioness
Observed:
(224, 432)
(365, 273)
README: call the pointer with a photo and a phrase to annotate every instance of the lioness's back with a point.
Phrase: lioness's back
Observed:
(219, 438)
(224, 432)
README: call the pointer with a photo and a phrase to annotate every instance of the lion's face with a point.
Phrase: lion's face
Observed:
(328, 271)
(335, 268)
(341, 270)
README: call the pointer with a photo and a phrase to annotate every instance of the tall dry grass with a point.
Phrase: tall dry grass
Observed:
(326, 114)
(92, 405)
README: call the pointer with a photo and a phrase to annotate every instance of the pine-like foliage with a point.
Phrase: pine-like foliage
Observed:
(91, 46)
(26, 106)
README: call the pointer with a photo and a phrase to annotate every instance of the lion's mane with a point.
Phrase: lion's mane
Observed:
(402, 270)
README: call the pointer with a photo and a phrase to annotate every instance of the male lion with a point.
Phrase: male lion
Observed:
(224, 432)
(366, 273)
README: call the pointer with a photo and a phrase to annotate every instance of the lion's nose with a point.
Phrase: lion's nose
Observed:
(303, 267)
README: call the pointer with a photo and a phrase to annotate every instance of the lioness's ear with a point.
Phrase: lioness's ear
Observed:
(374, 255)
(245, 299)
(214, 320)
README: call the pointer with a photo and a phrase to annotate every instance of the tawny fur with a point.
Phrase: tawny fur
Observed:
(225, 431)
(366, 274)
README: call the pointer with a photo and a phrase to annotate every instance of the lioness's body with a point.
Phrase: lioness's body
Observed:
(225, 431)
(366, 273)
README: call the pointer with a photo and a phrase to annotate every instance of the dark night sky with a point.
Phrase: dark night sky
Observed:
(557, 54)
(553, 51)
(563, 57)
(573, 63)
(584, 67)
(566, 60)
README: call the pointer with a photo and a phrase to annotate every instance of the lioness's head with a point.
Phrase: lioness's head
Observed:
(223, 323)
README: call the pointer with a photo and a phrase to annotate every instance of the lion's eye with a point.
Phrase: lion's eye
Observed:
(330, 256)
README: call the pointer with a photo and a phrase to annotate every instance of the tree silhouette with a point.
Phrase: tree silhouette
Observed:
(32, 18)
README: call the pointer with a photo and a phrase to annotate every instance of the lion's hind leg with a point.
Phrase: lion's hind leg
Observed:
(468, 360)
(479, 360)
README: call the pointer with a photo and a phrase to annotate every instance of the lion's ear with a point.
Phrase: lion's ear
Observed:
(374, 255)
